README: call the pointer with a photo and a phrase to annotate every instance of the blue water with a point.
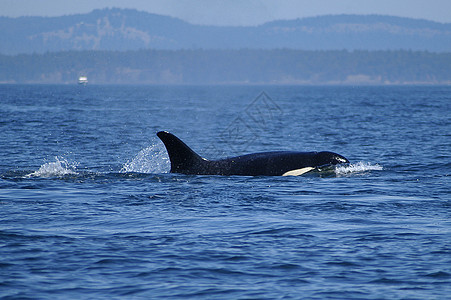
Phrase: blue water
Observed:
(89, 210)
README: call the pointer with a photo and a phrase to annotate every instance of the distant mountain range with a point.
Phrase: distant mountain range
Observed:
(125, 29)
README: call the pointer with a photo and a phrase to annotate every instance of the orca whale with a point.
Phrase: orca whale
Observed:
(279, 163)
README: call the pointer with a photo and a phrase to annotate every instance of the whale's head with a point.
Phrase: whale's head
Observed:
(329, 158)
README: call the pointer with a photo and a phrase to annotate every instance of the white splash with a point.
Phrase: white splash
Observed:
(357, 168)
(152, 160)
(59, 167)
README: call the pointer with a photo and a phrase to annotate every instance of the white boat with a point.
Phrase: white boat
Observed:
(83, 80)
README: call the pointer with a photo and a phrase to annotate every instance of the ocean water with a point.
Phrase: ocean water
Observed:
(89, 210)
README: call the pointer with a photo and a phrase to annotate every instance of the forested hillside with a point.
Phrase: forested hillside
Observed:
(280, 66)
(122, 30)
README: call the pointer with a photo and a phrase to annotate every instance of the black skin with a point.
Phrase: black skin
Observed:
(186, 161)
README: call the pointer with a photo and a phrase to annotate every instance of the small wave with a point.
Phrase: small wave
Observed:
(152, 160)
(60, 167)
(357, 168)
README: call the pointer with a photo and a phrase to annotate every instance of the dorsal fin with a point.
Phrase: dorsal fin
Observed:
(183, 159)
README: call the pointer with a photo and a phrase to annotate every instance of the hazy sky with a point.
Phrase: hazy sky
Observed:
(236, 12)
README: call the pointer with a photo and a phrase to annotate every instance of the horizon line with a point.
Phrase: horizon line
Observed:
(215, 25)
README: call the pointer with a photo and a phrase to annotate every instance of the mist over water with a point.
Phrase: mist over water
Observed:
(88, 208)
